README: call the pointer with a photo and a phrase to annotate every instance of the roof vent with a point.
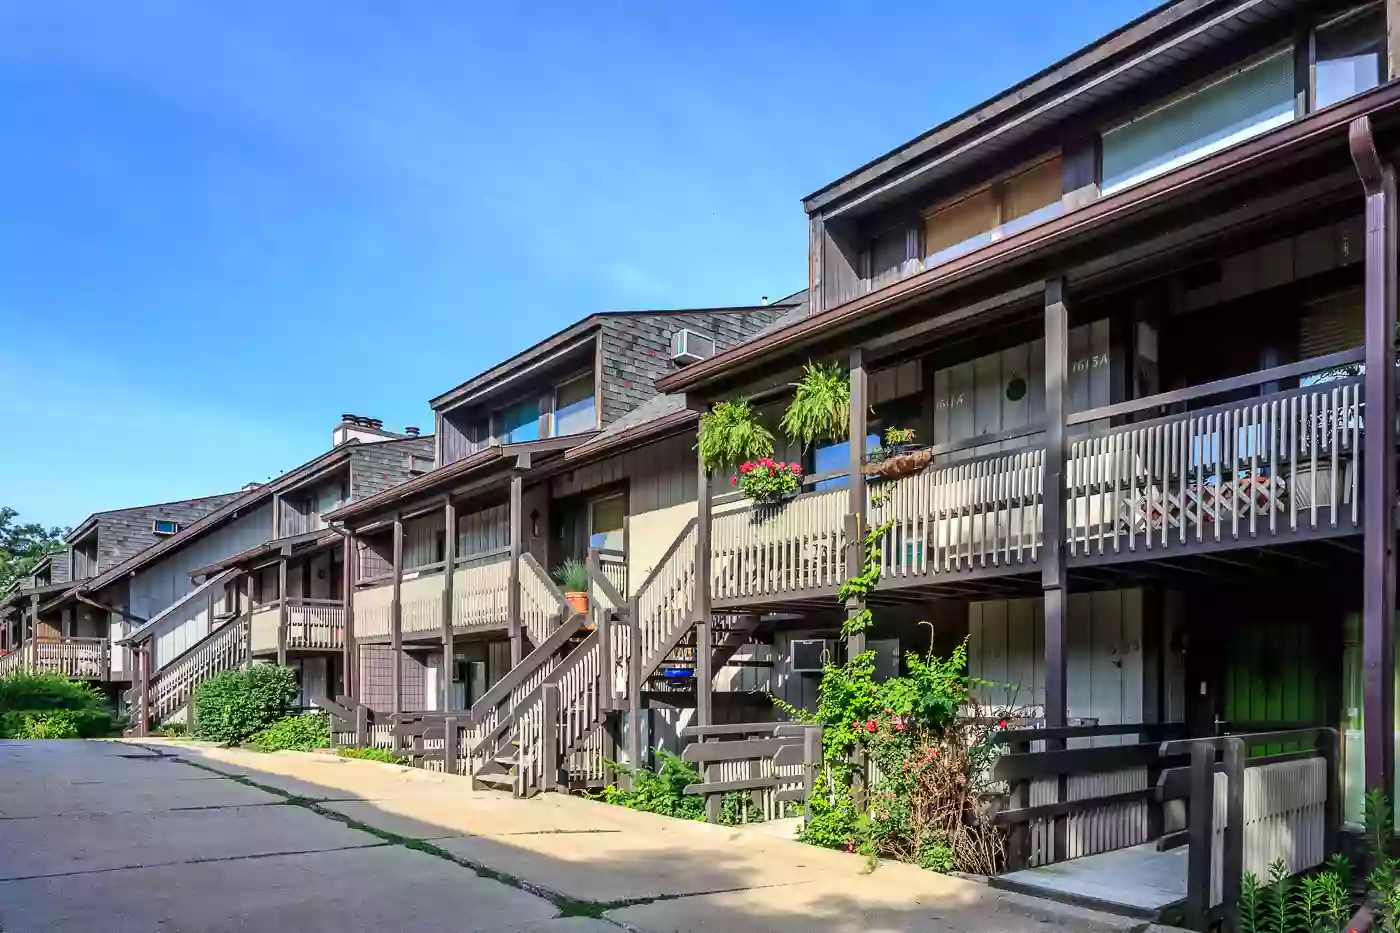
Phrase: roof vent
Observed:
(411, 431)
(249, 487)
(688, 346)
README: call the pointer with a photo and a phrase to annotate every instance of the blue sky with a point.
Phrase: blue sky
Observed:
(223, 224)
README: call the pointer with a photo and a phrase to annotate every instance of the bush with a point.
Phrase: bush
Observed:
(50, 706)
(661, 791)
(298, 733)
(374, 754)
(236, 705)
(173, 730)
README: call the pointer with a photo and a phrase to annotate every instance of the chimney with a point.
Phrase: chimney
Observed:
(360, 427)
(411, 431)
(763, 300)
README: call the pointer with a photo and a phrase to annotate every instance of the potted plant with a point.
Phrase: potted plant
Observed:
(821, 405)
(572, 577)
(897, 456)
(730, 433)
(767, 481)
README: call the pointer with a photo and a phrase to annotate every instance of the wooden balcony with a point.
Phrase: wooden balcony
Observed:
(1265, 471)
(480, 599)
(78, 658)
(312, 625)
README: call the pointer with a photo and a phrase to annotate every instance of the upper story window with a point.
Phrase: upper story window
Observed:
(575, 409)
(1348, 52)
(519, 422)
(1249, 101)
(164, 527)
(1005, 207)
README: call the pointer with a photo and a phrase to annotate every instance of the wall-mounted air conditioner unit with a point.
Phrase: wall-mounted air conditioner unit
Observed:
(810, 655)
(688, 346)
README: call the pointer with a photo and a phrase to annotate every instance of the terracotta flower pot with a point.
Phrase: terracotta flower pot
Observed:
(578, 600)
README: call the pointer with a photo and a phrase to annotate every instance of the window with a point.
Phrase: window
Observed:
(837, 456)
(606, 518)
(999, 210)
(419, 464)
(1250, 101)
(1348, 53)
(574, 409)
(164, 527)
(519, 422)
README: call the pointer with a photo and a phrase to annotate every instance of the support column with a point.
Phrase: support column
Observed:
(282, 612)
(34, 632)
(248, 582)
(704, 647)
(1052, 558)
(856, 502)
(143, 713)
(349, 572)
(396, 617)
(449, 567)
(517, 496)
(1378, 468)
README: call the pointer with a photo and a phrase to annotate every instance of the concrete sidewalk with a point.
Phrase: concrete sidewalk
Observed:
(643, 872)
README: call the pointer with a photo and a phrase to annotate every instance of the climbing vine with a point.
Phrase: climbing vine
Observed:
(859, 586)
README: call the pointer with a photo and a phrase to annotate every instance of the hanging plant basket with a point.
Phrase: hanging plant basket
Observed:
(768, 482)
(897, 460)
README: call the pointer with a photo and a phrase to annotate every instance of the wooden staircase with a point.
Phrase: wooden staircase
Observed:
(171, 688)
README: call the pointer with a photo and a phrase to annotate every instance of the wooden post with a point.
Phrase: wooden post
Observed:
(549, 737)
(1200, 830)
(1330, 744)
(704, 649)
(855, 507)
(143, 715)
(349, 573)
(282, 612)
(1052, 571)
(449, 744)
(517, 496)
(634, 686)
(1232, 856)
(1378, 477)
(449, 568)
(396, 618)
(248, 622)
(362, 726)
(208, 615)
(34, 632)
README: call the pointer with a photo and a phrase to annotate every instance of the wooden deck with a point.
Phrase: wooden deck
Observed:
(1137, 882)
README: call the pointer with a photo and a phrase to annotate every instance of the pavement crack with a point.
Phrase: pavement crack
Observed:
(191, 861)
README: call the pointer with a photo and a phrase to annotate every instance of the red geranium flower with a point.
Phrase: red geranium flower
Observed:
(871, 726)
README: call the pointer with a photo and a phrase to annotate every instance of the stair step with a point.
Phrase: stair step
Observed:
(506, 781)
(509, 761)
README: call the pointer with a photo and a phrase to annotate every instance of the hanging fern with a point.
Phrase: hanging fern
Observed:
(730, 433)
(821, 405)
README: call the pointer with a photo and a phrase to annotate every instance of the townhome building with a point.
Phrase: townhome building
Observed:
(173, 620)
(1138, 312)
(564, 453)
(76, 640)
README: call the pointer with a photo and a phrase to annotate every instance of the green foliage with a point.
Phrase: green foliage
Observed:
(935, 855)
(23, 546)
(236, 705)
(1318, 903)
(821, 405)
(374, 754)
(174, 729)
(737, 807)
(832, 820)
(50, 706)
(895, 436)
(297, 733)
(730, 433)
(661, 791)
(859, 585)
(572, 576)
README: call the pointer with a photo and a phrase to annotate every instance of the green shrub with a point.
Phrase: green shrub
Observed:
(299, 733)
(173, 730)
(374, 754)
(236, 705)
(661, 791)
(39, 706)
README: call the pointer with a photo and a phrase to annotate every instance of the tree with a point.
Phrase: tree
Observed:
(23, 546)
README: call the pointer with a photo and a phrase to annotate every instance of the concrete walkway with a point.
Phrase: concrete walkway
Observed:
(125, 837)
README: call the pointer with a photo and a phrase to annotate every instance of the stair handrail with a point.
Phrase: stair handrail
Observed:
(642, 665)
(182, 669)
(215, 631)
(543, 579)
(616, 640)
(532, 746)
(517, 675)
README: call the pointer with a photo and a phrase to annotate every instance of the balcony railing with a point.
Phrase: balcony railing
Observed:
(79, 658)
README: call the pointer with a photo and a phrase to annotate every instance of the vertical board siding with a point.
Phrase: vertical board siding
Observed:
(422, 540)
(484, 530)
(659, 475)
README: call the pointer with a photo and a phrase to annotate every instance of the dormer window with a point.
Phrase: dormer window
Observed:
(1348, 52)
(1008, 206)
(574, 408)
(165, 527)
